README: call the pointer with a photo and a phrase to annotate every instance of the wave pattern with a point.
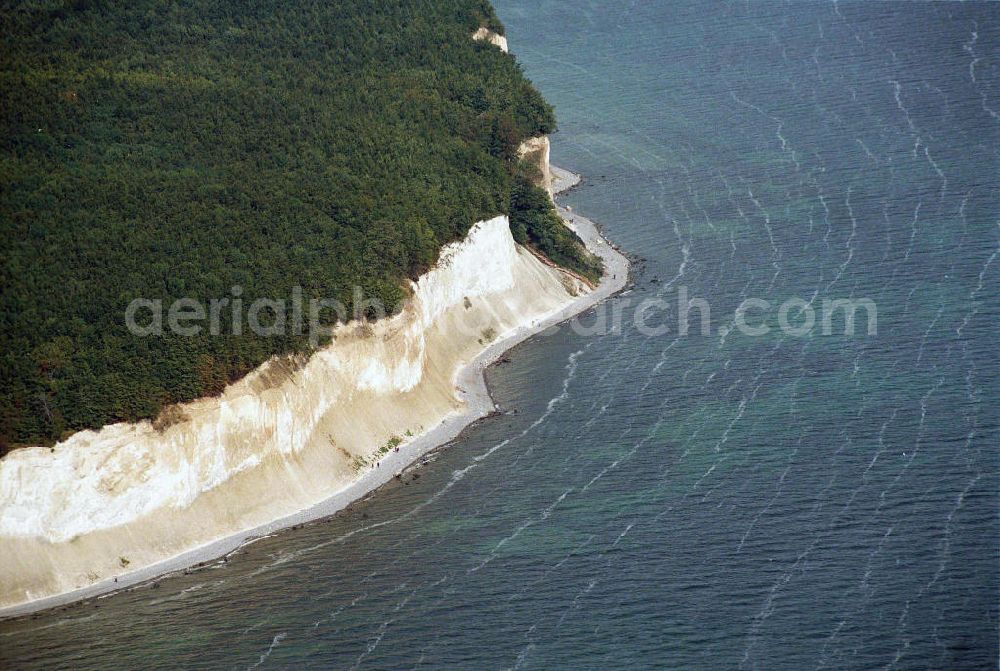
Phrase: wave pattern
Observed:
(701, 502)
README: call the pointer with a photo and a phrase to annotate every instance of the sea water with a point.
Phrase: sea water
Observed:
(715, 500)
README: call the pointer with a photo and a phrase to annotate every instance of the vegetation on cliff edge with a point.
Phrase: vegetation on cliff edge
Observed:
(165, 150)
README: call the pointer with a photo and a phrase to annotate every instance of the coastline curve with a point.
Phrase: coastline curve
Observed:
(468, 401)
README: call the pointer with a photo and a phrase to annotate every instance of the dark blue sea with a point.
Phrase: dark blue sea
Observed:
(720, 500)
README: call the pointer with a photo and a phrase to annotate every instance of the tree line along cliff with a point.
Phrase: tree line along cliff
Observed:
(166, 150)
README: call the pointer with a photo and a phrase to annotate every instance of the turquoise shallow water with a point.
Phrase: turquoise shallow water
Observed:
(700, 502)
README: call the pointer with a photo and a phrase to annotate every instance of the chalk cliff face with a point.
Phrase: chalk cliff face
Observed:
(487, 35)
(282, 439)
(536, 152)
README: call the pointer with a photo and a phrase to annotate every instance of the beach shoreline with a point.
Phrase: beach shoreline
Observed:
(472, 389)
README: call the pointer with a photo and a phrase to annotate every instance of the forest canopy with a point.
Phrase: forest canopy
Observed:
(178, 149)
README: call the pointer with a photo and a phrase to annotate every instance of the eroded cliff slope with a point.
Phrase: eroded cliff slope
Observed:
(282, 439)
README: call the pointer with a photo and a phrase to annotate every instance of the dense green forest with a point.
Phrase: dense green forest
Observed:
(178, 149)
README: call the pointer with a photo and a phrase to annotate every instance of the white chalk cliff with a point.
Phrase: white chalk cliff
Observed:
(535, 151)
(486, 35)
(284, 438)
